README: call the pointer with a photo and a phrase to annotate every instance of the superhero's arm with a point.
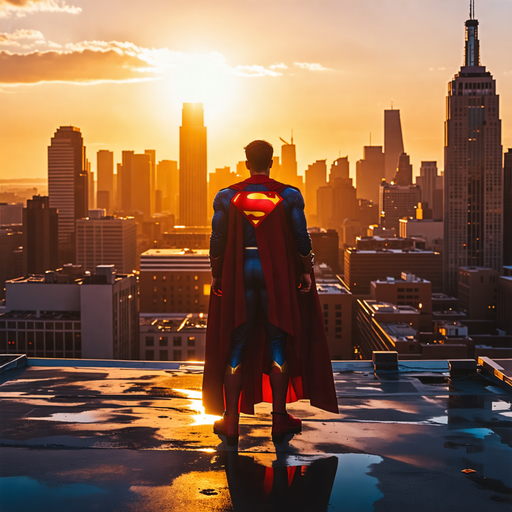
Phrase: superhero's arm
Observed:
(219, 236)
(300, 233)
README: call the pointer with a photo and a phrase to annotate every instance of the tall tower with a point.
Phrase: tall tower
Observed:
(67, 185)
(105, 170)
(507, 209)
(473, 202)
(193, 171)
(370, 173)
(393, 142)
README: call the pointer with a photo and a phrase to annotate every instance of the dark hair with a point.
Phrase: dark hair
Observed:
(259, 154)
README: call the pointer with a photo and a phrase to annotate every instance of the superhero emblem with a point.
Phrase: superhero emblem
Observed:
(256, 206)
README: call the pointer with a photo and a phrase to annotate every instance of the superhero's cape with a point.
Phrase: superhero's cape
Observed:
(298, 314)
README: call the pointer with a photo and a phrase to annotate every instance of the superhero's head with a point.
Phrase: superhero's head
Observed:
(259, 155)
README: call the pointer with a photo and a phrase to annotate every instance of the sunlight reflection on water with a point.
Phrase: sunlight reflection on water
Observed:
(200, 418)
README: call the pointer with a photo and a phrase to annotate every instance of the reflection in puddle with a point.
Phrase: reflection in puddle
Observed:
(500, 406)
(442, 420)
(479, 433)
(75, 417)
(25, 493)
(200, 417)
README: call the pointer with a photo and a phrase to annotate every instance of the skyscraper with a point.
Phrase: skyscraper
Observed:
(369, 173)
(40, 236)
(124, 184)
(193, 170)
(141, 184)
(431, 185)
(507, 209)
(393, 142)
(316, 177)
(473, 202)
(397, 202)
(403, 174)
(288, 168)
(152, 177)
(67, 185)
(168, 181)
(105, 170)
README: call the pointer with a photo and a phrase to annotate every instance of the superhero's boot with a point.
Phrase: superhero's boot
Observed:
(228, 427)
(284, 424)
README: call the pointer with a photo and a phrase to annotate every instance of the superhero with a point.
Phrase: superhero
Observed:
(265, 339)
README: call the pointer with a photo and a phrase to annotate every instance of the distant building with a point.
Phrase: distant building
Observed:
(124, 182)
(478, 290)
(364, 266)
(191, 238)
(397, 202)
(409, 290)
(374, 243)
(141, 199)
(370, 173)
(40, 236)
(507, 208)
(103, 240)
(431, 186)
(393, 142)
(68, 186)
(430, 230)
(11, 213)
(11, 255)
(473, 173)
(403, 176)
(152, 179)
(73, 315)
(288, 168)
(316, 177)
(326, 247)
(173, 337)
(336, 303)
(105, 185)
(193, 172)
(168, 181)
(505, 303)
(174, 281)
(221, 178)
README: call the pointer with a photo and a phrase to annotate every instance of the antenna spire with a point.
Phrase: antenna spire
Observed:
(292, 136)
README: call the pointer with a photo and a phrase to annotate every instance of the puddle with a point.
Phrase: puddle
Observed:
(370, 388)
(25, 493)
(479, 433)
(75, 417)
(200, 417)
(441, 420)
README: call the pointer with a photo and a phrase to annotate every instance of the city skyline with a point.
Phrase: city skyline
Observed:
(333, 79)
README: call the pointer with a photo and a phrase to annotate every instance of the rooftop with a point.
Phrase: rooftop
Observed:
(151, 322)
(176, 252)
(387, 307)
(112, 435)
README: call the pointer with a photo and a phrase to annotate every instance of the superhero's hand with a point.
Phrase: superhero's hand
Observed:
(217, 286)
(305, 283)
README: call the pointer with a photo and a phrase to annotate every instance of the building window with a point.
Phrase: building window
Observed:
(337, 306)
(163, 355)
(150, 341)
(176, 341)
(338, 314)
(337, 329)
(163, 341)
(176, 355)
(191, 354)
(326, 306)
(150, 355)
(338, 322)
(191, 342)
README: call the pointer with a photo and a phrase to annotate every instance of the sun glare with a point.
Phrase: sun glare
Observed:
(200, 418)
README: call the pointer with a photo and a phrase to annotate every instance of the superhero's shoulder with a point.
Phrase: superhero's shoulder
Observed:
(292, 195)
(223, 198)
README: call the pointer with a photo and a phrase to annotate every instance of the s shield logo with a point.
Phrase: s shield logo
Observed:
(256, 206)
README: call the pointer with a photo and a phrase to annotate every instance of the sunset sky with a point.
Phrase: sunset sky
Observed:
(121, 69)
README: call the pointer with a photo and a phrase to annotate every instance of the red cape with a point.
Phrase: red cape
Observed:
(298, 314)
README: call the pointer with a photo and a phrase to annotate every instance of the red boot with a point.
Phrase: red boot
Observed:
(284, 424)
(228, 426)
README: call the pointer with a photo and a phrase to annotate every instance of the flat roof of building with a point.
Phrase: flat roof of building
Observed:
(173, 322)
(43, 315)
(327, 288)
(388, 307)
(119, 438)
(176, 252)
(399, 331)
(390, 251)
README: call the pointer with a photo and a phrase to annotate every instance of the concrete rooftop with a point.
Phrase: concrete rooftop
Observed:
(129, 439)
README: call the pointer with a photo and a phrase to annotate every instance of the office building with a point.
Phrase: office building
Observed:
(431, 186)
(408, 290)
(141, 184)
(152, 179)
(316, 177)
(174, 281)
(11, 213)
(40, 236)
(191, 238)
(364, 266)
(168, 181)
(428, 229)
(67, 186)
(221, 178)
(507, 209)
(397, 202)
(393, 143)
(124, 182)
(193, 172)
(403, 175)
(505, 303)
(325, 244)
(11, 255)
(105, 184)
(172, 337)
(67, 313)
(473, 194)
(477, 292)
(370, 173)
(288, 168)
(336, 303)
(103, 240)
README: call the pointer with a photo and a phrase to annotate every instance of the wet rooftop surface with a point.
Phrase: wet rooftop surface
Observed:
(112, 439)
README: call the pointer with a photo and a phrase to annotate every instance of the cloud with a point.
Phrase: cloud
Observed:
(311, 66)
(282, 65)
(254, 70)
(21, 8)
(12, 38)
(85, 66)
